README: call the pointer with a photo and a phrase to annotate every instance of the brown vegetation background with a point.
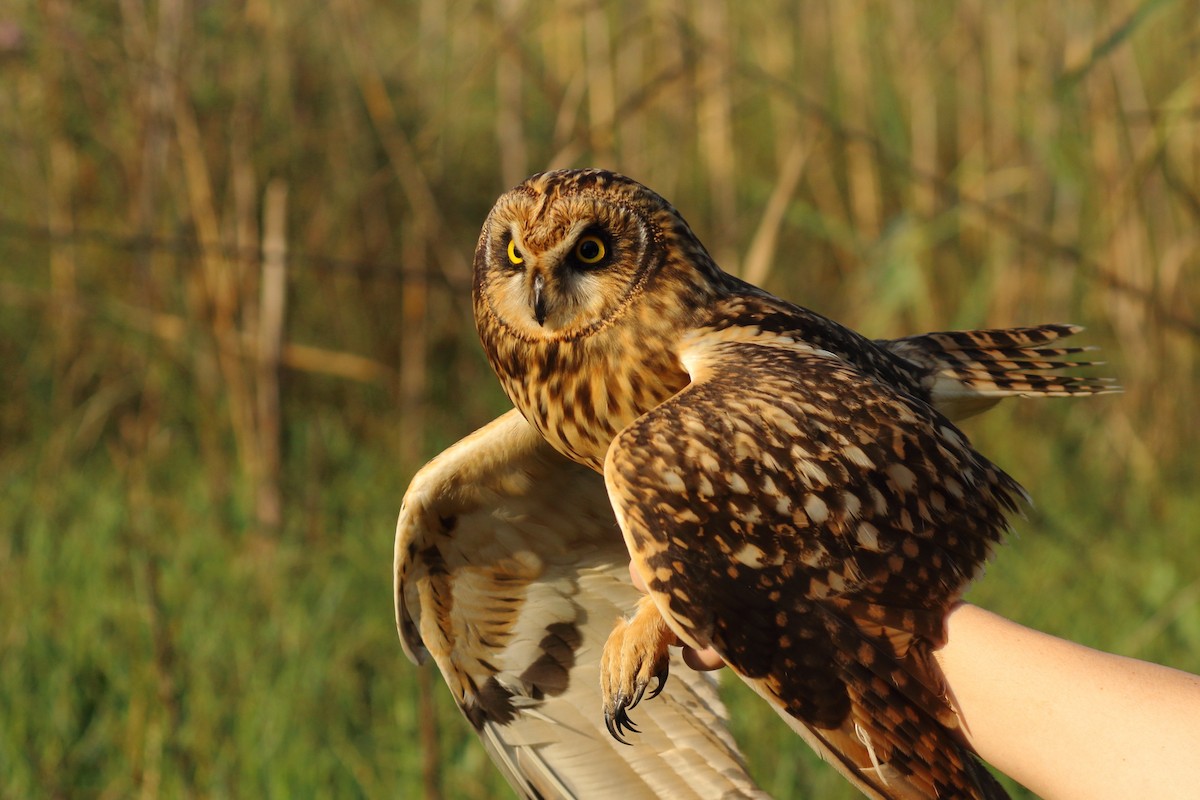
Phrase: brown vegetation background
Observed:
(235, 241)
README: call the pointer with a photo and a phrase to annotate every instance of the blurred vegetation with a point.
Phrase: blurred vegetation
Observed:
(236, 238)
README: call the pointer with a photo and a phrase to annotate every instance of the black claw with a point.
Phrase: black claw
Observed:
(617, 720)
(637, 696)
(616, 717)
(613, 727)
(624, 723)
(661, 676)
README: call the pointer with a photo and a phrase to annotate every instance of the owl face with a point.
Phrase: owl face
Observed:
(565, 253)
(583, 280)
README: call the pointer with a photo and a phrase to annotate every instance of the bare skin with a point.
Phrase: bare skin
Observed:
(1064, 720)
(1068, 721)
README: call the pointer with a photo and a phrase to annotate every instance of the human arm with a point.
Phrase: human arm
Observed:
(1068, 721)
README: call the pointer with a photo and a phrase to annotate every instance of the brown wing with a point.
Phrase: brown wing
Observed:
(814, 525)
(510, 571)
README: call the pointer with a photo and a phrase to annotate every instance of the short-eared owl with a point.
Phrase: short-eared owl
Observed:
(794, 495)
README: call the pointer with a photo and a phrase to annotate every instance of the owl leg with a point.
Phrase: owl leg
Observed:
(635, 652)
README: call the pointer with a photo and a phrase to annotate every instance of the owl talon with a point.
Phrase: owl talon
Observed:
(618, 722)
(637, 695)
(661, 676)
(634, 655)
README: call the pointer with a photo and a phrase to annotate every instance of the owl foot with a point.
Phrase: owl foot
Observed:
(635, 652)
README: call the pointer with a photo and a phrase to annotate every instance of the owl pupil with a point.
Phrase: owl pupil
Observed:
(589, 250)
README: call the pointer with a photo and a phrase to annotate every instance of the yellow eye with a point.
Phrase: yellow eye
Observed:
(514, 255)
(590, 249)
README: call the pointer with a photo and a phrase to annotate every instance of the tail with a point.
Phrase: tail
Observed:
(966, 372)
(898, 737)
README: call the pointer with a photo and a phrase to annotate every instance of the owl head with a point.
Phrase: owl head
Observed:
(566, 253)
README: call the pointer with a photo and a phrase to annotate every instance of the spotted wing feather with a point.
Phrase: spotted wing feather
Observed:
(510, 571)
(814, 524)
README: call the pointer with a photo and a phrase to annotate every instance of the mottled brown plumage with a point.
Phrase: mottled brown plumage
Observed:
(793, 494)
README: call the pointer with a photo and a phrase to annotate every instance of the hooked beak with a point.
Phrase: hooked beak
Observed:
(539, 300)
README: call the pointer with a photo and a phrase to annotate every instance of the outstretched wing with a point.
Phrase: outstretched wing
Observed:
(510, 572)
(966, 372)
(814, 525)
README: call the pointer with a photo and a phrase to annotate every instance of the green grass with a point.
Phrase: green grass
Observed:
(148, 648)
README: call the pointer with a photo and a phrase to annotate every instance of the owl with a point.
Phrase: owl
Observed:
(792, 494)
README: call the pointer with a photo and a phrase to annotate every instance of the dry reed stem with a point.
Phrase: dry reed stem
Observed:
(510, 116)
(861, 177)
(174, 330)
(423, 204)
(714, 126)
(634, 74)
(761, 253)
(422, 235)
(218, 290)
(271, 317)
(60, 201)
(601, 92)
